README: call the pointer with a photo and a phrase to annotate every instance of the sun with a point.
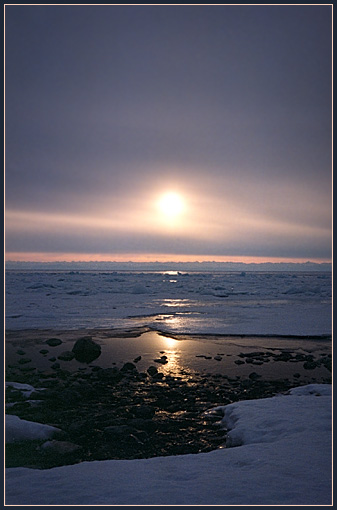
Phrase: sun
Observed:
(171, 205)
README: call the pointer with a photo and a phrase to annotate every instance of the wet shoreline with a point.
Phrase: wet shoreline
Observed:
(147, 393)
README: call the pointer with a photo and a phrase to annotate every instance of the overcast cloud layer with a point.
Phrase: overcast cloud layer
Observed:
(108, 107)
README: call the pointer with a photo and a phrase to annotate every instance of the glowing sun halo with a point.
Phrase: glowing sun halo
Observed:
(171, 205)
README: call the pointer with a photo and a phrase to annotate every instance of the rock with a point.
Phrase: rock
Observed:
(44, 351)
(55, 366)
(20, 352)
(128, 367)
(143, 411)
(239, 362)
(53, 342)
(22, 361)
(297, 375)
(137, 359)
(308, 365)
(284, 356)
(254, 376)
(327, 363)
(60, 447)
(218, 358)
(116, 431)
(52, 359)
(152, 370)
(109, 374)
(68, 395)
(66, 356)
(86, 350)
(162, 360)
(147, 425)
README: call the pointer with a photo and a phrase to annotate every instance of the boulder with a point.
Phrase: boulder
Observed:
(86, 350)
(128, 367)
(53, 342)
(152, 370)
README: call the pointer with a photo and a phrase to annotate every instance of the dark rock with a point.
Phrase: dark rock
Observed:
(55, 366)
(254, 354)
(239, 362)
(327, 363)
(116, 431)
(152, 370)
(20, 352)
(66, 356)
(111, 374)
(67, 395)
(254, 376)
(284, 356)
(297, 375)
(137, 359)
(52, 359)
(162, 360)
(143, 411)
(309, 365)
(141, 435)
(143, 424)
(44, 351)
(128, 367)
(22, 361)
(53, 342)
(86, 350)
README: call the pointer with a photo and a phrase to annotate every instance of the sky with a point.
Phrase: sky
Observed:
(172, 132)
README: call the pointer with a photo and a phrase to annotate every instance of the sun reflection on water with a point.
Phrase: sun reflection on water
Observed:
(175, 302)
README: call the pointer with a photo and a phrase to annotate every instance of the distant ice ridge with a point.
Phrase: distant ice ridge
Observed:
(276, 303)
(283, 456)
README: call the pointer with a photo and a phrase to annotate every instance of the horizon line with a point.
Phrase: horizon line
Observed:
(47, 258)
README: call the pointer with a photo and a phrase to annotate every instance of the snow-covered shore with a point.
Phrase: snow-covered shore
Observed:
(284, 458)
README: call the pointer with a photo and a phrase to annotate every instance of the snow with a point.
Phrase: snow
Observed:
(284, 458)
(26, 389)
(248, 303)
(22, 430)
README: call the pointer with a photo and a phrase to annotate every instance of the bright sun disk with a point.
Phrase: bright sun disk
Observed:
(171, 204)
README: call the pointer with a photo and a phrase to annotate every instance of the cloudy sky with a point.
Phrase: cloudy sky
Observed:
(110, 108)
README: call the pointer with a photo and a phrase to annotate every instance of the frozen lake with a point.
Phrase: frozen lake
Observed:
(258, 303)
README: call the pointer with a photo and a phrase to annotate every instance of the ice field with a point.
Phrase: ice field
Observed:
(259, 303)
